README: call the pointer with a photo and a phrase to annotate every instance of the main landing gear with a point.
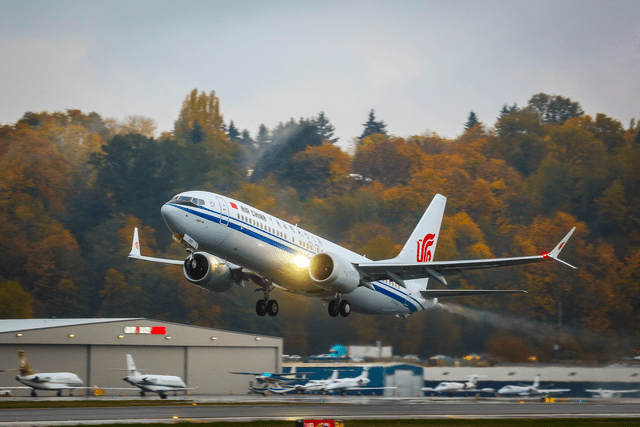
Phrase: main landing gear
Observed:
(339, 306)
(269, 307)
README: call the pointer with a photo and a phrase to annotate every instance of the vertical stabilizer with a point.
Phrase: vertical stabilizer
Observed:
(421, 246)
(334, 376)
(365, 372)
(23, 364)
(131, 366)
(536, 381)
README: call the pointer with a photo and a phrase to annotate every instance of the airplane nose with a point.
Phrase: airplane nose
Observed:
(167, 211)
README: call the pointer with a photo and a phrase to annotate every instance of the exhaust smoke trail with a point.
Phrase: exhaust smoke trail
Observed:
(504, 322)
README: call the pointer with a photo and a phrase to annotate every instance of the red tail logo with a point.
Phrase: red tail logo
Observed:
(424, 253)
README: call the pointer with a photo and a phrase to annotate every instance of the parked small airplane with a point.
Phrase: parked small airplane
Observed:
(457, 387)
(532, 390)
(359, 383)
(161, 384)
(607, 394)
(271, 381)
(231, 243)
(57, 381)
(313, 386)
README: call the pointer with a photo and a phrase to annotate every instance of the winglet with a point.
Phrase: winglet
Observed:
(135, 246)
(556, 251)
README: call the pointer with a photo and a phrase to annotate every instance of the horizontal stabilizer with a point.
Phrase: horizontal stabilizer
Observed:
(135, 252)
(442, 293)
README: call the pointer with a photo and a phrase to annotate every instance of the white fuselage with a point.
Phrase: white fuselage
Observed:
(247, 237)
(517, 389)
(156, 383)
(51, 381)
(454, 386)
(348, 383)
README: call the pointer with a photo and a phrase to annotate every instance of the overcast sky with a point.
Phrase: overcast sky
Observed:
(421, 65)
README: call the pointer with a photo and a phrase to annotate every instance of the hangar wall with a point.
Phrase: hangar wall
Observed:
(95, 349)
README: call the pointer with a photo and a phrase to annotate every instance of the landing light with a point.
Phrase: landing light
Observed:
(301, 261)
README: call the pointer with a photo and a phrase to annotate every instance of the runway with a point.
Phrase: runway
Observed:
(213, 409)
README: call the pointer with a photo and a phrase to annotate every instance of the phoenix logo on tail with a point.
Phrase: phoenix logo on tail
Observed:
(424, 254)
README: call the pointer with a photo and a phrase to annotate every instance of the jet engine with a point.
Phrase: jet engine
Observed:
(333, 273)
(208, 272)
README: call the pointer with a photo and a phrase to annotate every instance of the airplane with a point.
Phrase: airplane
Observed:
(531, 390)
(313, 386)
(161, 384)
(57, 381)
(359, 383)
(457, 387)
(230, 242)
(600, 393)
(271, 381)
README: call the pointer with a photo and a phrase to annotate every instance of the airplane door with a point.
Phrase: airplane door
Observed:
(224, 211)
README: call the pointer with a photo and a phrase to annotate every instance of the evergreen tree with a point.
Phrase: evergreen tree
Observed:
(197, 134)
(508, 110)
(233, 132)
(245, 139)
(325, 128)
(373, 126)
(471, 121)
(262, 139)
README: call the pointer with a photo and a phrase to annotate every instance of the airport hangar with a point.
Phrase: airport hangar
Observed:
(202, 357)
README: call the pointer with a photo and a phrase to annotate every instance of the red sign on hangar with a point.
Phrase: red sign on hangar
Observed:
(152, 330)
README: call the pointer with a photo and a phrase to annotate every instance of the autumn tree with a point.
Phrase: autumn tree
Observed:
(202, 109)
(554, 108)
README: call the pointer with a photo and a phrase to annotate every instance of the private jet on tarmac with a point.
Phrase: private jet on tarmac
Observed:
(231, 243)
(532, 390)
(33, 380)
(161, 384)
(459, 387)
(359, 383)
(608, 394)
(313, 386)
(272, 381)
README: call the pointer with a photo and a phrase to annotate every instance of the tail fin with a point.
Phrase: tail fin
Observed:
(334, 376)
(365, 372)
(473, 379)
(131, 366)
(23, 364)
(536, 381)
(421, 246)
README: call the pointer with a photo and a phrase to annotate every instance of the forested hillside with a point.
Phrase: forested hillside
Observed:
(73, 185)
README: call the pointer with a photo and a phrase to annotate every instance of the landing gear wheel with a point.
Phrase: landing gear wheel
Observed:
(334, 308)
(261, 307)
(33, 393)
(345, 308)
(59, 393)
(272, 307)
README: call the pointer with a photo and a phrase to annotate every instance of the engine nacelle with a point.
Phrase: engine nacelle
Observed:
(333, 273)
(208, 272)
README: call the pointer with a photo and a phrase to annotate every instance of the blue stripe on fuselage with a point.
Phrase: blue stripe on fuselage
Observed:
(244, 228)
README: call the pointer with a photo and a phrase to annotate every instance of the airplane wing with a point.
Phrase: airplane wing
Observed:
(613, 391)
(370, 388)
(399, 272)
(553, 390)
(135, 252)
